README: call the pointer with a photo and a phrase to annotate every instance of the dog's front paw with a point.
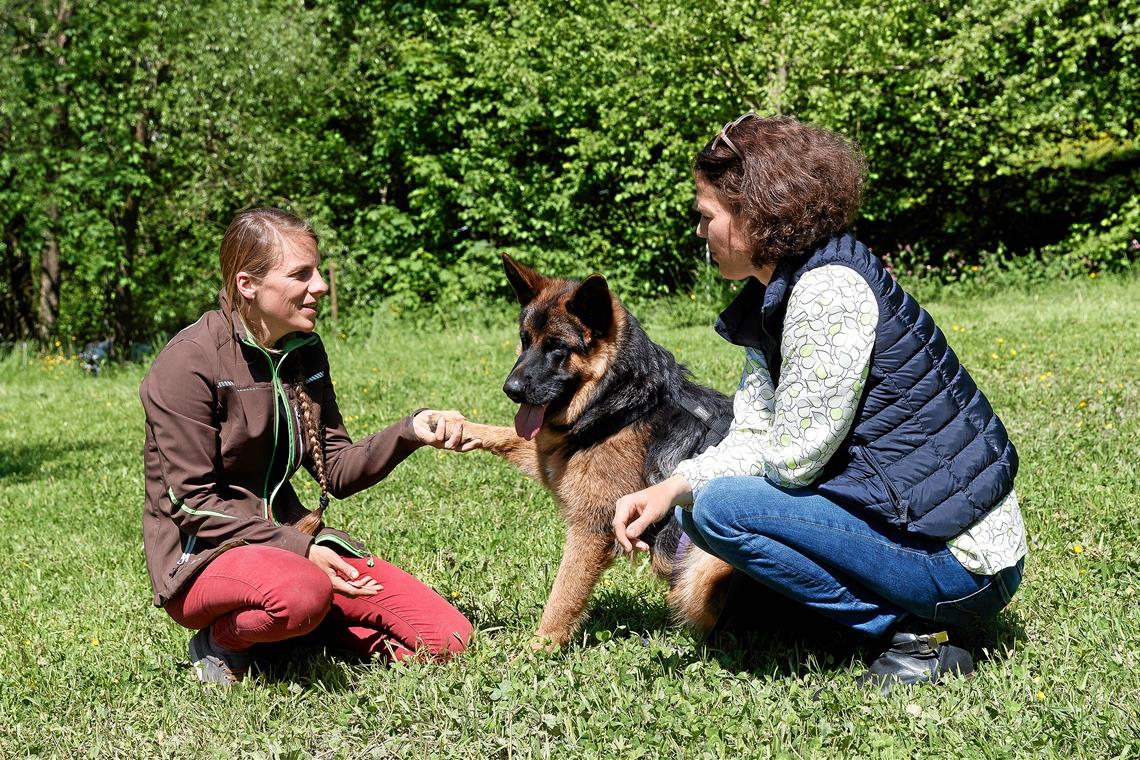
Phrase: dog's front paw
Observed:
(540, 642)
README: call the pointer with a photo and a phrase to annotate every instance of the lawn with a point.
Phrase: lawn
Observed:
(90, 669)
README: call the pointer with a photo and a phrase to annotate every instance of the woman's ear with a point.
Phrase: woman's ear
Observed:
(246, 285)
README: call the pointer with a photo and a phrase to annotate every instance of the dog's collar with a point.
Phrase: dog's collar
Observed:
(716, 427)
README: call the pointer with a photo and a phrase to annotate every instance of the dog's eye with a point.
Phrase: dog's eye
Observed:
(557, 350)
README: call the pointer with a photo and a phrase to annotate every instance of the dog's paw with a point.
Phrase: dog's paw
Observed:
(542, 643)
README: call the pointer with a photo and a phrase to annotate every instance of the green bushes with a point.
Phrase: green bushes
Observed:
(424, 139)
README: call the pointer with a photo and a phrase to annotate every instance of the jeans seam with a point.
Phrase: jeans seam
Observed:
(735, 525)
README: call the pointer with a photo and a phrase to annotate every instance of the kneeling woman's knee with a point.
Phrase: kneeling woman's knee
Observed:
(302, 599)
(453, 636)
(713, 507)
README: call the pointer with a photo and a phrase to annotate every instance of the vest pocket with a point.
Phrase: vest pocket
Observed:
(898, 503)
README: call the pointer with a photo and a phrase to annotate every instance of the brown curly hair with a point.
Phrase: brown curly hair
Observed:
(789, 185)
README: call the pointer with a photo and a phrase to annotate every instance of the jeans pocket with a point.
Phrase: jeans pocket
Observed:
(983, 604)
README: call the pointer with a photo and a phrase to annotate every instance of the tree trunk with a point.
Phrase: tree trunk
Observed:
(49, 256)
(49, 277)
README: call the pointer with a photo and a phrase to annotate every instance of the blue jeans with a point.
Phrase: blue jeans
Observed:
(831, 559)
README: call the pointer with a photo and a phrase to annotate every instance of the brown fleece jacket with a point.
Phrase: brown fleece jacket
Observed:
(223, 436)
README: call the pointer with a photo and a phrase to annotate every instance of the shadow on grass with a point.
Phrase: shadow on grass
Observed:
(764, 633)
(307, 661)
(622, 614)
(23, 463)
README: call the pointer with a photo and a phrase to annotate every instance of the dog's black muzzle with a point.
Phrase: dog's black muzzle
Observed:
(538, 382)
(515, 389)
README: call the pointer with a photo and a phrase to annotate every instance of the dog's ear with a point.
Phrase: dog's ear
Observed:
(526, 282)
(591, 303)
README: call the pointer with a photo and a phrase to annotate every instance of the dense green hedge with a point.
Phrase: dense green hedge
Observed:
(424, 138)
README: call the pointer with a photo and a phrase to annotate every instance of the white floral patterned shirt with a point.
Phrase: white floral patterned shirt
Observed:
(788, 433)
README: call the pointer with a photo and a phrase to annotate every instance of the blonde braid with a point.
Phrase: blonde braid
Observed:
(312, 522)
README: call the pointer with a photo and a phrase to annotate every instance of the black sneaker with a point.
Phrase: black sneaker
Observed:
(914, 658)
(212, 664)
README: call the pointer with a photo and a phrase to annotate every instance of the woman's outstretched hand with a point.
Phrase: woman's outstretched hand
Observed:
(345, 578)
(443, 430)
(637, 511)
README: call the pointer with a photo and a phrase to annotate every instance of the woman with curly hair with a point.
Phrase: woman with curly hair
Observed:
(865, 477)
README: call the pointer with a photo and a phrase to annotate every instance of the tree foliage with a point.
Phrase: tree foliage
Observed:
(422, 139)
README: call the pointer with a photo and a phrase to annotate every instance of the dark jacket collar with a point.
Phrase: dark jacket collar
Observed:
(754, 317)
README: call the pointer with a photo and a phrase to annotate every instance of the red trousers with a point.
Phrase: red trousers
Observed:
(260, 594)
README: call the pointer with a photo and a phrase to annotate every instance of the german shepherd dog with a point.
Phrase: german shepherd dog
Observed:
(603, 412)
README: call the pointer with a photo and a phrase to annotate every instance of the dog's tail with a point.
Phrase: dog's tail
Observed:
(699, 588)
(698, 581)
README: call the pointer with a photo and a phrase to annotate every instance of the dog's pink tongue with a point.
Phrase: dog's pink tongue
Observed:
(529, 420)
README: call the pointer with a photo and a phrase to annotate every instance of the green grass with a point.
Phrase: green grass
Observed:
(89, 668)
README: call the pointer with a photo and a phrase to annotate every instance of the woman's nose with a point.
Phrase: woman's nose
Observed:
(319, 287)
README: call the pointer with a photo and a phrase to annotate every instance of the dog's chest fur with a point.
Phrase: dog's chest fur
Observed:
(588, 483)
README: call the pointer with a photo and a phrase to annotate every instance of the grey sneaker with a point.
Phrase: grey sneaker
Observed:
(212, 664)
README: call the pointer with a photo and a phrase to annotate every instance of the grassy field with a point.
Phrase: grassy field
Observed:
(89, 669)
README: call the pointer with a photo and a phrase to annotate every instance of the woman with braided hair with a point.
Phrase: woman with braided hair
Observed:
(235, 404)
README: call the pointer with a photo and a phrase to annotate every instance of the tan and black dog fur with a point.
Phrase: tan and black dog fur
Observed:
(604, 412)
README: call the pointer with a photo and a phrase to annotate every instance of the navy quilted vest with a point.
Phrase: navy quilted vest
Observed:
(926, 452)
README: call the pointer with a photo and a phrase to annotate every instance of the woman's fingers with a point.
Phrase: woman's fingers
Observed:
(456, 437)
(341, 586)
(624, 513)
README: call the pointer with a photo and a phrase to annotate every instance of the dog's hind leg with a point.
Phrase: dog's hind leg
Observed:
(584, 557)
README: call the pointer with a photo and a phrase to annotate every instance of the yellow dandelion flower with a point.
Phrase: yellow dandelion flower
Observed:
(993, 356)
(1000, 341)
(94, 642)
(1078, 549)
(1012, 352)
(1040, 696)
(1092, 275)
(1108, 426)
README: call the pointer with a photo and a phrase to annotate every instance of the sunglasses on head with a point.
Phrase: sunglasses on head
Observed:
(723, 136)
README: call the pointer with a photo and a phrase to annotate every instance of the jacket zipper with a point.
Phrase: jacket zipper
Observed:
(190, 551)
(185, 555)
(265, 498)
(902, 508)
(279, 399)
